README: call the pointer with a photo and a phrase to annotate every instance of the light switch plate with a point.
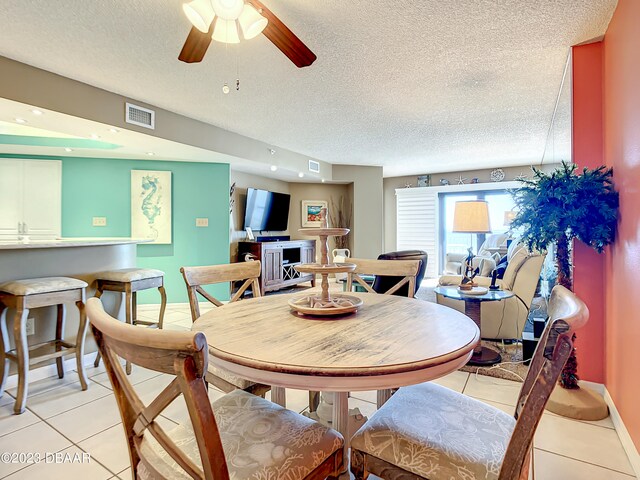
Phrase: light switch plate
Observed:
(99, 221)
(202, 222)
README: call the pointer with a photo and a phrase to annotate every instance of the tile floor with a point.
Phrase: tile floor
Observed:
(62, 418)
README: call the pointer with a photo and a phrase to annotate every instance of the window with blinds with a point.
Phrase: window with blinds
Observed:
(418, 216)
(417, 224)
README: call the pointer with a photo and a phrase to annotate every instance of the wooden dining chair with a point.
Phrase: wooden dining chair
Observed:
(198, 277)
(239, 436)
(406, 269)
(427, 431)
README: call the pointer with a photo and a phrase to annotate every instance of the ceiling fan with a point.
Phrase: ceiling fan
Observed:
(228, 21)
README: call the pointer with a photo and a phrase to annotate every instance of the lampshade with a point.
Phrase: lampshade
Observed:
(200, 13)
(226, 31)
(471, 217)
(227, 9)
(509, 215)
(251, 22)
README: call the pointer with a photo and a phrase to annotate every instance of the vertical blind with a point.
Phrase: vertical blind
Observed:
(417, 224)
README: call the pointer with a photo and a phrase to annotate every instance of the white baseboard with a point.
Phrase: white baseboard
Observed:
(623, 434)
(46, 371)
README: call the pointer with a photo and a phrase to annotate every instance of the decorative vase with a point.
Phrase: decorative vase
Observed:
(340, 255)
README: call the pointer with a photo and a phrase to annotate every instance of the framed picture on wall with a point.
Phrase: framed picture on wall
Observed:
(424, 180)
(151, 205)
(311, 212)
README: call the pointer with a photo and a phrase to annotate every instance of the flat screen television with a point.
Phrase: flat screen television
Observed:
(268, 211)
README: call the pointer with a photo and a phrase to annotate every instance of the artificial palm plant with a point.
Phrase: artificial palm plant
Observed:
(563, 205)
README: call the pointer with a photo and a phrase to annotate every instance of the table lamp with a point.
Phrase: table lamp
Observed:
(509, 216)
(471, 216)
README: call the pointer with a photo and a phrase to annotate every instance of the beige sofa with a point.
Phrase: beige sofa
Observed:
(485, 260)
(505, 319)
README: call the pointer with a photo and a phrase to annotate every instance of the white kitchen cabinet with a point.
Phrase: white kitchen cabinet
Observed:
(10, 197)
(30, 198)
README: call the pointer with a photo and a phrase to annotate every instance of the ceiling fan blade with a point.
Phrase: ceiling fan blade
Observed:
(284, 39)
(195, 47)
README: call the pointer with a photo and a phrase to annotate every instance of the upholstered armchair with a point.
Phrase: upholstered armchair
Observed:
(505, 319)
(485, 260)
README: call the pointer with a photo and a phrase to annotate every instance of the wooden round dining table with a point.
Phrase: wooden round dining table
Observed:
(390, 342)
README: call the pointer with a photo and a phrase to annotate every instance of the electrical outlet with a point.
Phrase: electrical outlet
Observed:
(202, 222)
(99, 221)
(31, 326)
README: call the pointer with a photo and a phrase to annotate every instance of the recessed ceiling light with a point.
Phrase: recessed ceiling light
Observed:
(151, 154)
(301, 174)
(94, 136)
(114, 130)
(20, 120)
(35, 111)
(68, 149)
(273, 168)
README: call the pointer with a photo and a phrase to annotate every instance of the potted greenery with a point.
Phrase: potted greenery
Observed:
(557, 207)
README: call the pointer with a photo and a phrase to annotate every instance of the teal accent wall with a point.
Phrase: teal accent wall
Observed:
(99, 187)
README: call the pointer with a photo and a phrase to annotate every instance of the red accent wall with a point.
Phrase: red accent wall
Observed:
(606, 130)
(587, 144)
(622, 268)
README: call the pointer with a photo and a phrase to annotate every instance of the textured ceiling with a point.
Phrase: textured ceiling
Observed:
(417, 86)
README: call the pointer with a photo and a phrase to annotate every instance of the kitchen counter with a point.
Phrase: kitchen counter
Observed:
(68, 242)
(67, 257)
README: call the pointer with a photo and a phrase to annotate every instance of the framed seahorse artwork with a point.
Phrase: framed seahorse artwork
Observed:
(151, 205)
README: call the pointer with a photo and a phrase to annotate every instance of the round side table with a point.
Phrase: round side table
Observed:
(482, 356)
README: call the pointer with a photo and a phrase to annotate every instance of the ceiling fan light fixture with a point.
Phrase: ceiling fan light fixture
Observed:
(200, 13)
(251, 22)
(227, 9)
(225, 31)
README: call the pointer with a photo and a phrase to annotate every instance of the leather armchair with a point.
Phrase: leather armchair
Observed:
(505, 319)
(485, 260)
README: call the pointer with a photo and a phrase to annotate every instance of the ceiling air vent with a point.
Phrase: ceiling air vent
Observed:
(143, 117)
(314, 166)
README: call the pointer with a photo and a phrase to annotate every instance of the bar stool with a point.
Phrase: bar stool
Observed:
(23, 295)
(130, 281)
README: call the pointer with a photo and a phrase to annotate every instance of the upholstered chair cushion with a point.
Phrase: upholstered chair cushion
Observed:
(483, 259)
(485, 265)
(129, 274)
(230, 377)
(518, 255)
(494, 240)
(261, 440)
(34, 286)
(453, 263)
(513, 247)
(438, 434)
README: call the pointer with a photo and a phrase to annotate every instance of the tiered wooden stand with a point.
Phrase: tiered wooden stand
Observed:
(324, 304)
